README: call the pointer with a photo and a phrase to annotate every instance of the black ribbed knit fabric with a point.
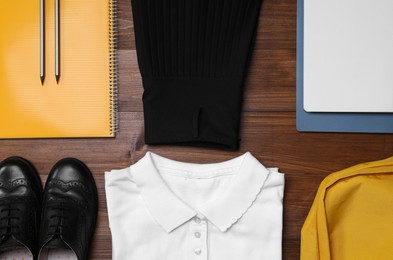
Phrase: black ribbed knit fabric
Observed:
(193, 56)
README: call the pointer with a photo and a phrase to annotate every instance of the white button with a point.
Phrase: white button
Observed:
(197, 220)
(198, 251)
(197, 234)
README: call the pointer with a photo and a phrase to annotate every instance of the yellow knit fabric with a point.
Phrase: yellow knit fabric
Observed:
(352, 215)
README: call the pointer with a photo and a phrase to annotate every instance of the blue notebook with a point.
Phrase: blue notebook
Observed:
(331, 122)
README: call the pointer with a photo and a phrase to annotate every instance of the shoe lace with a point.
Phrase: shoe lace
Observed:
(11, 227)
(57, 225)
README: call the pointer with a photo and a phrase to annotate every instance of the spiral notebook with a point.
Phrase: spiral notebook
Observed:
(83, 103)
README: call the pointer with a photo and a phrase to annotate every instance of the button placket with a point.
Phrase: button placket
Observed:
(198, 239)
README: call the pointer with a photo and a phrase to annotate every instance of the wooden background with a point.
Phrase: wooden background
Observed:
(268, 129)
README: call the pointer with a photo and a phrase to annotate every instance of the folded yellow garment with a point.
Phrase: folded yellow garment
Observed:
(352, 215)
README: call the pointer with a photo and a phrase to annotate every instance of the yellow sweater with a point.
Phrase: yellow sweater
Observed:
(352, 215)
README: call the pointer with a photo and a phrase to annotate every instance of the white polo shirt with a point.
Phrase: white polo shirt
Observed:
(160, 209)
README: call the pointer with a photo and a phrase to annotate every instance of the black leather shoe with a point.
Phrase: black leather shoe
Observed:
(69, 210)
(20, 205)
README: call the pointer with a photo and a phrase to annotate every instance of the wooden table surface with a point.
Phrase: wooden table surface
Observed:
(268, 129)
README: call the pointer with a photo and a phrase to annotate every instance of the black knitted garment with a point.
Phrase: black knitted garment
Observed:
(193, 56)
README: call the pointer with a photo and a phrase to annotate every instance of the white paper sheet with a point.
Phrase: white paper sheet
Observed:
(348, 55)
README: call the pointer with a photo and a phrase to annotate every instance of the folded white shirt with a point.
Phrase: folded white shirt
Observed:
(160, 209)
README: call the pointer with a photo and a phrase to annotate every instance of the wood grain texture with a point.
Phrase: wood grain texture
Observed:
(268, 129)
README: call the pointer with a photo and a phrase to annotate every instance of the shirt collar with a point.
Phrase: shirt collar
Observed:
(170, 211)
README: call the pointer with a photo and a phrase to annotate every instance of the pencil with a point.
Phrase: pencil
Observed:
(42, 41)
(57, 40)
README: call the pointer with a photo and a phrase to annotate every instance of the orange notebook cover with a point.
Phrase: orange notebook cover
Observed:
(83, 103)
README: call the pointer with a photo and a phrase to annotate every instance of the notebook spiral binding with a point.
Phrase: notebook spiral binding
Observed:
(114, 120)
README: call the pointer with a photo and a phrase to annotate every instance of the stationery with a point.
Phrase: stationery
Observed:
(348, 56)
(57, 40)
(84, 102)
(332, 122)
(42, 41)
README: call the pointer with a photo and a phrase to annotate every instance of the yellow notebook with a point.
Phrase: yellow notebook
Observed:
(83, 103)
